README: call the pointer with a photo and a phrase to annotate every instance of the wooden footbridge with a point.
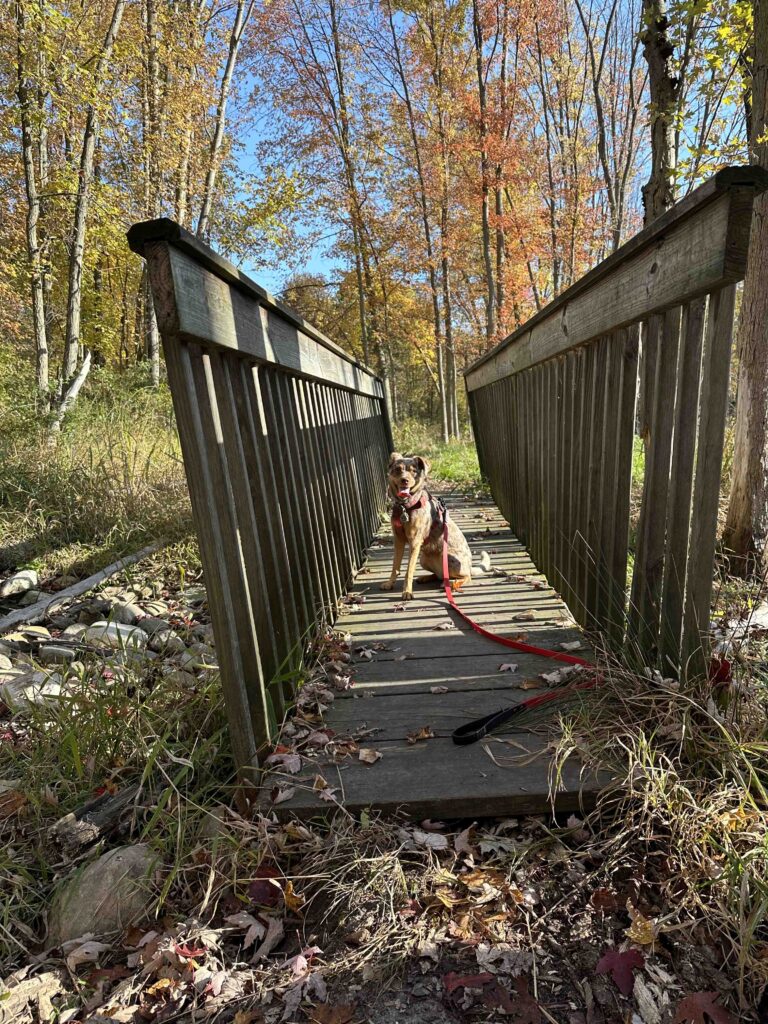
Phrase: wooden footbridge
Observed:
(285, 440)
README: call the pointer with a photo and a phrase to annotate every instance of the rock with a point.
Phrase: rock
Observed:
(19, 583)
(26, 999)
(203, 651)
(179, 677)
(129, 614)
(32, 597)
(63, 621)
(115, 634)
(167, 641)
(26, 688)
(194, 595)
(75, 629)
(158, 608)
(56, 654)
(105, 897)
(204, 632)
(151, 625)
(67, 581)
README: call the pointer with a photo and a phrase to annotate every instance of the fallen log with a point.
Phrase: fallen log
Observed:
(35, 613)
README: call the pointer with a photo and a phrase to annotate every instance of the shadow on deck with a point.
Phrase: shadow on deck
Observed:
(429, 669)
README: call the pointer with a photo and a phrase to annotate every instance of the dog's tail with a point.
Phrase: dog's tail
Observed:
(482, 562)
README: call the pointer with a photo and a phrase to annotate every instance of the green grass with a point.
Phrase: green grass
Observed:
(109, 483)
(454, 462)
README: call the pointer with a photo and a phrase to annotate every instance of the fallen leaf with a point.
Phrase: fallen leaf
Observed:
(265, 890)
(293, 900)
(366, 653)
(574, 645)
(282, 793)
(161, 986)
(275, 932)
(461, 843)
(424, 733)
(369, 756)
(620, 966)
(86, 953)
(642, 930)
(434, 840)
(11, 801)
(605, 900)
(319, 784)
(452, 981)
(530, 684)
(507, 667)
(291, 762)
(438, 689)
(331, 1013)
(702, 1008)
(248, 1017)
(444, 625)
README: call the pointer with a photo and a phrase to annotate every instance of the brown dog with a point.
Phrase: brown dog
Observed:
(417, 518)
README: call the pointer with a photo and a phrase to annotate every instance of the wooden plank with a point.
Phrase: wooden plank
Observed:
(625, 429)
(648, 274)
(681, 484)
(163, 230)
(595, 463)
(605, 611)
(706, 491)
(437, 778)
(649, 561)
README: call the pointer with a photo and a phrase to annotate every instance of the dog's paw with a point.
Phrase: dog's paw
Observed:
(388, 585)
(407, 595)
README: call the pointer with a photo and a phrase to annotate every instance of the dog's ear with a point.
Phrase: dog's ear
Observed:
(395, 457)
(423, 465)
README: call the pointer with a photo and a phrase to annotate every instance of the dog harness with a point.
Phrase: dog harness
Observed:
(401, 512)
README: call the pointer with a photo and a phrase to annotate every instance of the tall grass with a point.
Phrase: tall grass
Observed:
(454, 462)
(109, 482)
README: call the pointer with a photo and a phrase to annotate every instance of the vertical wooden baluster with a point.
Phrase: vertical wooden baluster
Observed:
(706, 489)
(281, 485)
(649, 563)
(600, 377)
(240, 624)
(604, 503)
(681, 484)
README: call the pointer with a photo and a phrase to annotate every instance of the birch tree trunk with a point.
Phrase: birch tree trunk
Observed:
(34, 257)
(85, 178)
(151, 171)
(746, 530)
(242, 15)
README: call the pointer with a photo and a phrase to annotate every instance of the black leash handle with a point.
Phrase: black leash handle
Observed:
(474, 731)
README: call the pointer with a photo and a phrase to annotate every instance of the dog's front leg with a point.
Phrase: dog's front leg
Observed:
(413, 561)
(397, 559)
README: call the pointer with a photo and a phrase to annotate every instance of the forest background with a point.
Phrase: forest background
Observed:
(415, 178)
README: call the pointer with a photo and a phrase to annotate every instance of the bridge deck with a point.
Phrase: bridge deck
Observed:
(419, 646)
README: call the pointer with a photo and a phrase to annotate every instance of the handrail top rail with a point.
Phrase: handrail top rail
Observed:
(165, 229)
(727, 179)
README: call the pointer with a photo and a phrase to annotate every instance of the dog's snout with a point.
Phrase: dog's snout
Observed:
(404, 480)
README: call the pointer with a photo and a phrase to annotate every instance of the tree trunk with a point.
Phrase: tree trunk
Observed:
(85, 177)
(490, 291)
(746, 531)
(152, 171)
(242, 14)
(664, 88)
(32, 217)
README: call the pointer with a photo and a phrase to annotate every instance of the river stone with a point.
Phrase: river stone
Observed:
(56, 654)
(115, 634)
(152, 624)
(156, 607)
(127, 613)
(32, 597)
(166, 641)
(19, 583)
(75, 629)
(24, 688)
(105, 896)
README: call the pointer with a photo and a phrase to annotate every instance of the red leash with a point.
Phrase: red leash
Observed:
(474, 731)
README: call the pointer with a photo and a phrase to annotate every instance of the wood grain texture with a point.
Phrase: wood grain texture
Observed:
(398, 657)
(648, 274)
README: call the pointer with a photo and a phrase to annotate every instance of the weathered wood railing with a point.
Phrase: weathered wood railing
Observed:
(553, 408)
(285, 440)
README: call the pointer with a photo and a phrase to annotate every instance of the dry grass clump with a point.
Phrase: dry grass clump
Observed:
(689, 805)
(108, 483)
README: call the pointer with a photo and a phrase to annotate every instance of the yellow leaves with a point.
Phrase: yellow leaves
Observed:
(642, 930)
